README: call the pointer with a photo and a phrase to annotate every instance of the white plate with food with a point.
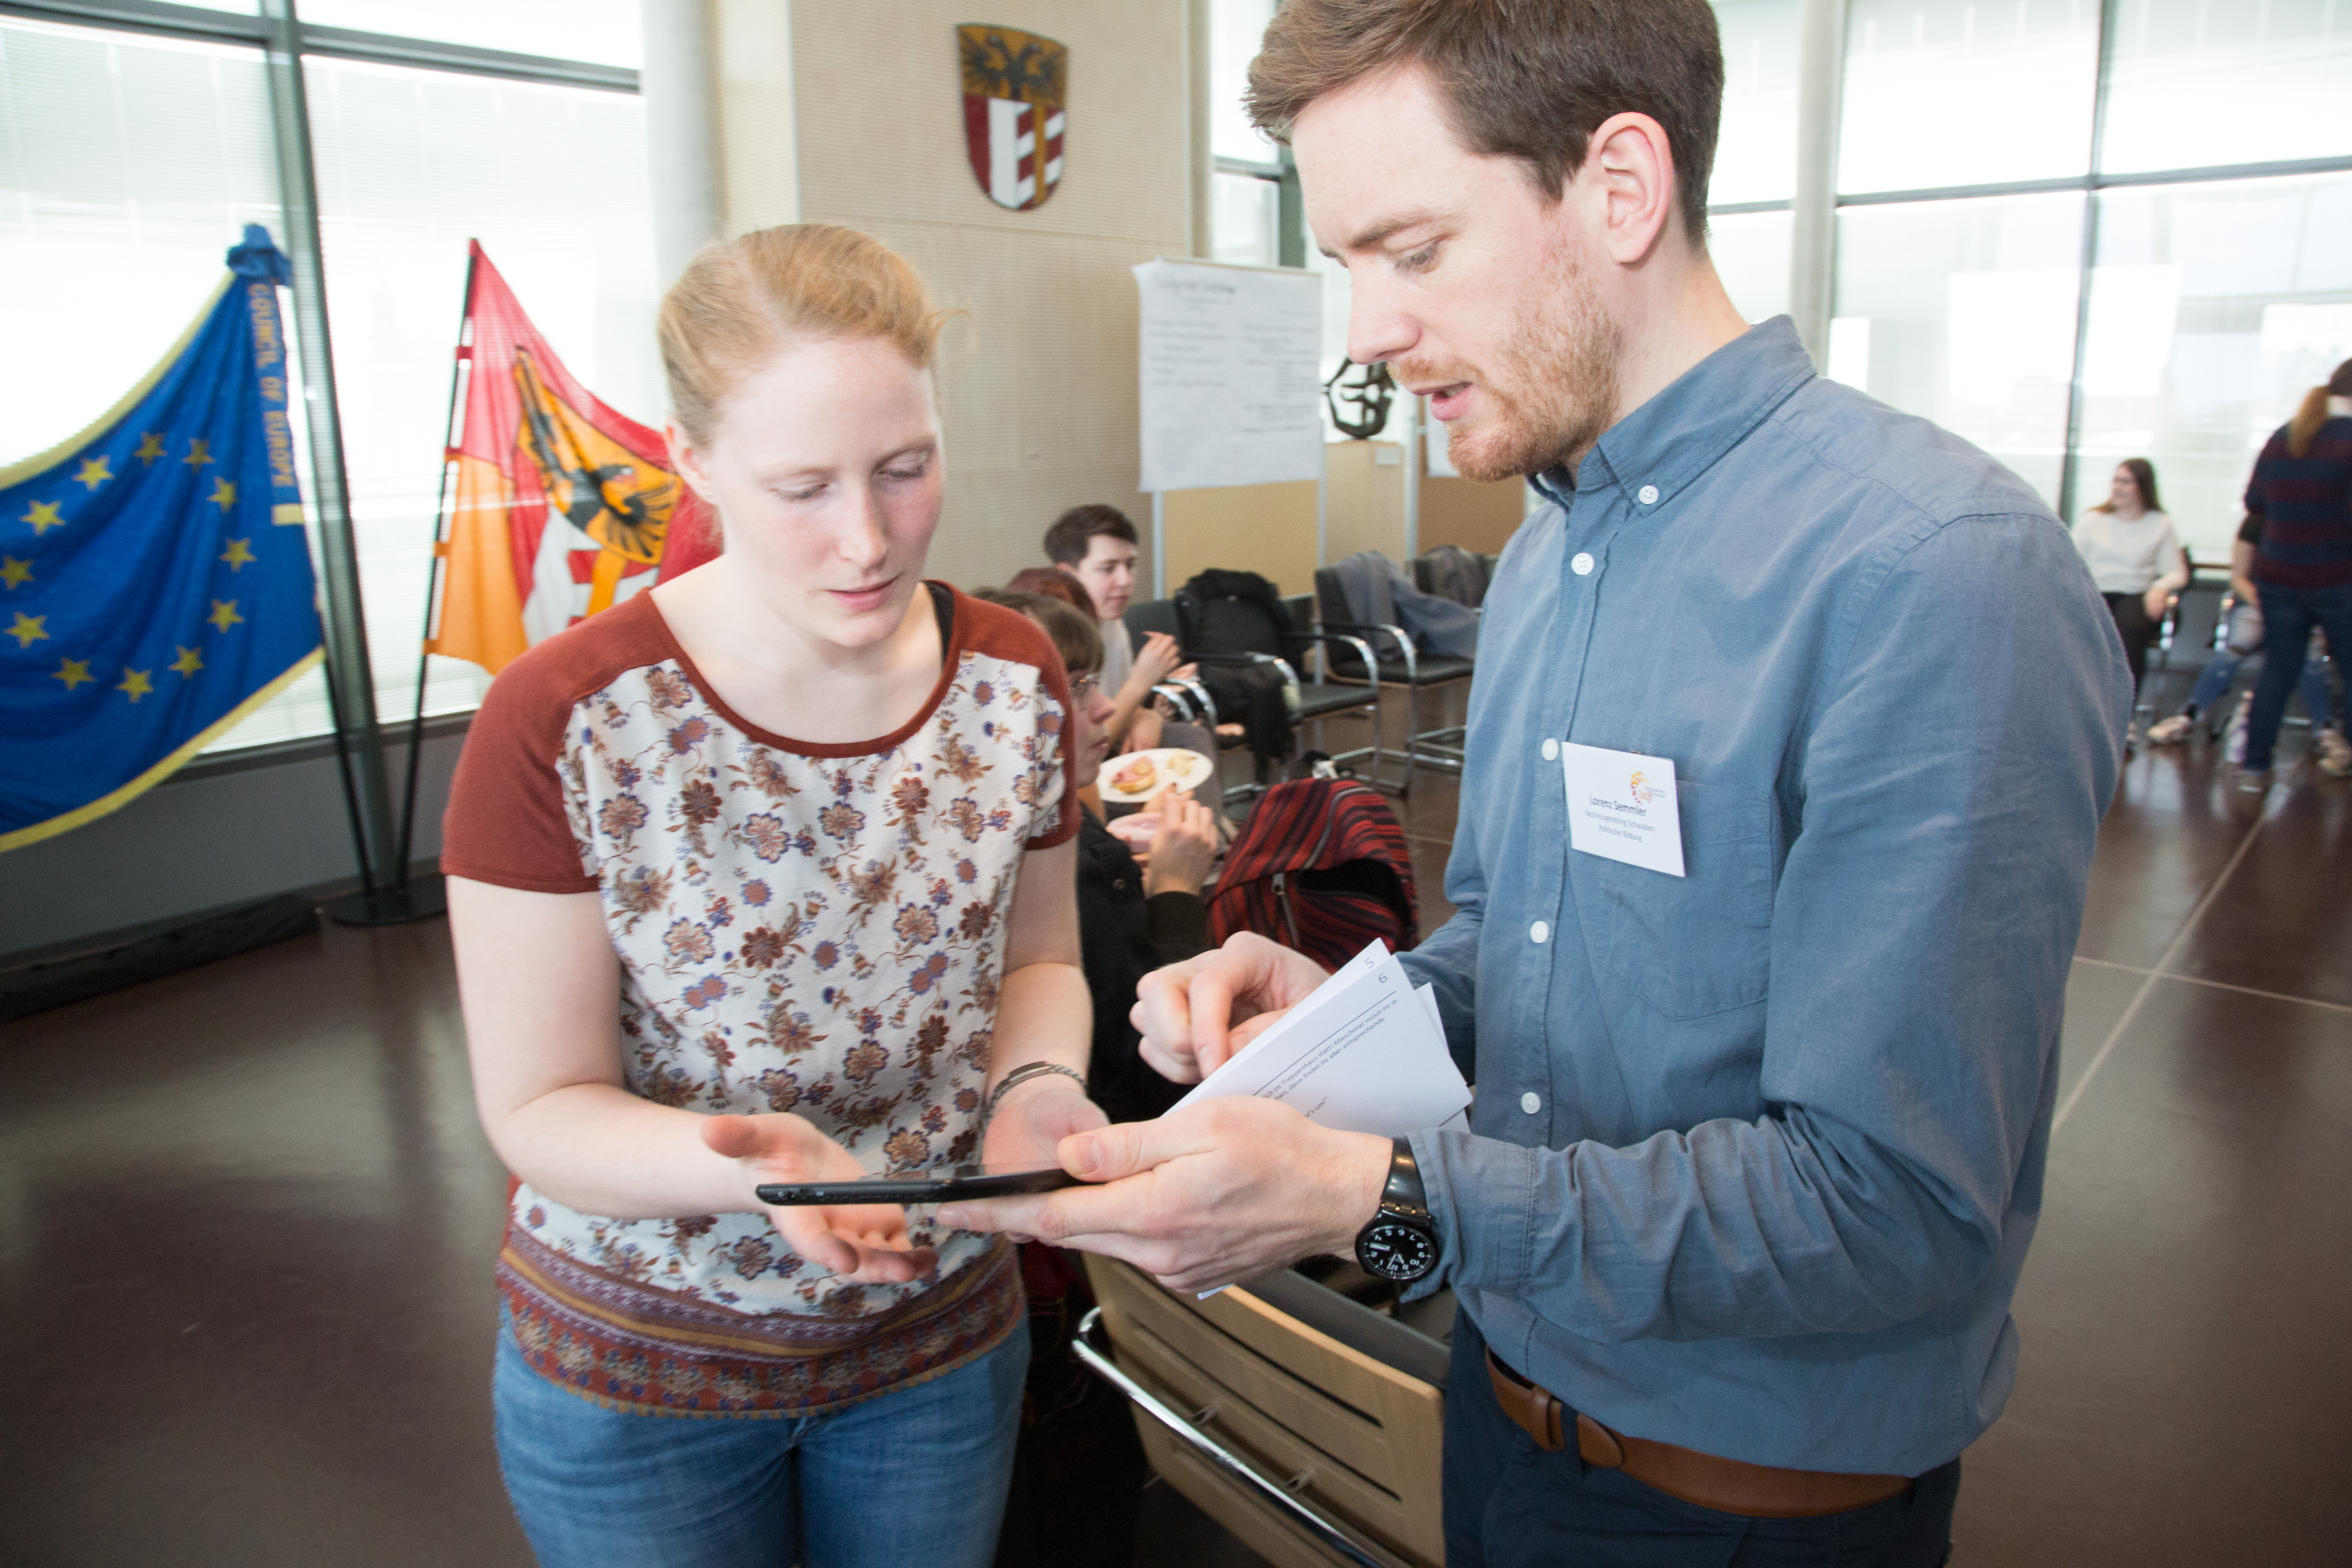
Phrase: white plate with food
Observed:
(1138, 776)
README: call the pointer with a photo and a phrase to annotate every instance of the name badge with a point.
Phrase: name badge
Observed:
(1621, 805)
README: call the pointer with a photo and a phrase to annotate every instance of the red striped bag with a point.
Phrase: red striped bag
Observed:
(1320, 867)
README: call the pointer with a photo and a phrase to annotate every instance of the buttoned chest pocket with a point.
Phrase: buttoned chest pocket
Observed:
(1698, 943)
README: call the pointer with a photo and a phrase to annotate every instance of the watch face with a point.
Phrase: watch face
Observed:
(1396, 1251)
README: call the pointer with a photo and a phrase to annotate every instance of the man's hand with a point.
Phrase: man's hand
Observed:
(1218, 1192)
(1185, 846)
(1156, 660)
(1188, 1012)
(866, 1243)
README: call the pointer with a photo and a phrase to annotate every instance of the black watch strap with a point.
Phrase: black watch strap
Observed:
(1399, 1243)
(1404, 1189)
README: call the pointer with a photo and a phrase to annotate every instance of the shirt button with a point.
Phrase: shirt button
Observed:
(1551, 751)
(1648, 496)
(1583, 563)
(1540, 932)
(1531, 1102)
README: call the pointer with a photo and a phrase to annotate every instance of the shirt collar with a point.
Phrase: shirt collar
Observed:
(1660, 447)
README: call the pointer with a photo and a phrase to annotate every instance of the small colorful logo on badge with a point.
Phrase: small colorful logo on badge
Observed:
(1638, 787)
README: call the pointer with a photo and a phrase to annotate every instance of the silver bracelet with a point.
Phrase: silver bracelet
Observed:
(1023, 1074)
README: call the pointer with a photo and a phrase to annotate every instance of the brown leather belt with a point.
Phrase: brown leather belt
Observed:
(1727, 1486)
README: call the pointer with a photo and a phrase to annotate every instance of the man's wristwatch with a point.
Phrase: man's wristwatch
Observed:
(1399, 1242)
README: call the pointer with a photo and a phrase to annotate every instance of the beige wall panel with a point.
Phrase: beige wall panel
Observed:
(881, 116)
(1038, 383)
(1475, 515)
(759, 156)
(1365, 508)
(1265, 528)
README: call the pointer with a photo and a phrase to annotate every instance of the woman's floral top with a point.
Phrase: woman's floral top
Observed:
(817, 929)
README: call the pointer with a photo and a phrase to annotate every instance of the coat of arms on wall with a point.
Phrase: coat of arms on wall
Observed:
(1013, 84)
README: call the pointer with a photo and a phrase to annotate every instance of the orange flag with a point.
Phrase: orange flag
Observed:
(562, 506)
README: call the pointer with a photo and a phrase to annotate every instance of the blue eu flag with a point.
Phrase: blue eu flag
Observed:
(154, 576)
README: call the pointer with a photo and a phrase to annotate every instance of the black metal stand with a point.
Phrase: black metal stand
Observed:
(412, 898)
(415, 898)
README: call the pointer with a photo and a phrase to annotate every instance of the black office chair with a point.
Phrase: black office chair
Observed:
(1188, 697)
(2195, 626)
(1397, 663)
(1452, 572)
(1237, 632)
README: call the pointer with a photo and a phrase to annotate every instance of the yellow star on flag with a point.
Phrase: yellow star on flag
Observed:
(223, 494)
(135, 683)
(151, 446)
(199, 452)
(240, 555)
(14, 572)
(28, 629)
(225, 615)
(94, 472)
(73, 672)
(44, 516)
(189, 662)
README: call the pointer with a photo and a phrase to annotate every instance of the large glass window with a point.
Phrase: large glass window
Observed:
(604, 32)
(1756, 155)
(1751, 257)
(411, 165)
(2280, 72)
(1971, 309)
(1235, 28)
(2213, 309)
(130, 163)
(1247, 221)
(1963, 92)
(128, 167)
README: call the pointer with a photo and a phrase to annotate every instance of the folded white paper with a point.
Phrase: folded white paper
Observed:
(1365, 1053)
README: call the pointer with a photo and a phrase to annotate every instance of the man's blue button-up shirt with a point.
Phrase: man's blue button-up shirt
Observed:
(1757, 1150)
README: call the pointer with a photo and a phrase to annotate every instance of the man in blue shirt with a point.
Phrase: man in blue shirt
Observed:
(1764, 1086)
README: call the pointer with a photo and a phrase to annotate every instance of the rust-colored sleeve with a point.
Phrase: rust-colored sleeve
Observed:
(507, 822)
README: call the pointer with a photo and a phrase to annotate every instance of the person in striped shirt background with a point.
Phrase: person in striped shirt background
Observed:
(2301, 489)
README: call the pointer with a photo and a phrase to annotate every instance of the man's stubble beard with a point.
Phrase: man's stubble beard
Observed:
(1560, 370)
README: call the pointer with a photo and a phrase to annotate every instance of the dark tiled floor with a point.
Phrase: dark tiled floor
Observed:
(246, 1220)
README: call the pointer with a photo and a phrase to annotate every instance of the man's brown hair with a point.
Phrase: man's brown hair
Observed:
(1066, 543)
(1530, 79)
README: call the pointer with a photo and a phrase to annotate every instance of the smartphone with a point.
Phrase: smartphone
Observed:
(936, 1184)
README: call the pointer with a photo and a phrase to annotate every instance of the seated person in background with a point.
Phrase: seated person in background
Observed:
(2246, 641)
(1095, 544)
(1136, 912)
(2134, 554)
(1152, 727)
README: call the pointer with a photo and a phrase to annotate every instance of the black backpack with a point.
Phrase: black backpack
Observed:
(1222, 615)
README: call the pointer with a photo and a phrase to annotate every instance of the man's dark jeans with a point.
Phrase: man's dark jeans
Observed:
(1510, 1504)
(2288, 615)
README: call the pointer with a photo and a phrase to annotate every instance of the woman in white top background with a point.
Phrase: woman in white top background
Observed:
(2135, 557)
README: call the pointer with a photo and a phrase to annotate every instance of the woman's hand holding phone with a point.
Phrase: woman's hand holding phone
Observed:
(867, 1244)
(1027, 1132)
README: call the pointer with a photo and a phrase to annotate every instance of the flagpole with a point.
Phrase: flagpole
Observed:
(433, 572)
(384, 899)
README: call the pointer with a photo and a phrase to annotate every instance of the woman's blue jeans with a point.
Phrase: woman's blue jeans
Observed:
(2221, 669)
(914, 1477)
(2288, 615)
